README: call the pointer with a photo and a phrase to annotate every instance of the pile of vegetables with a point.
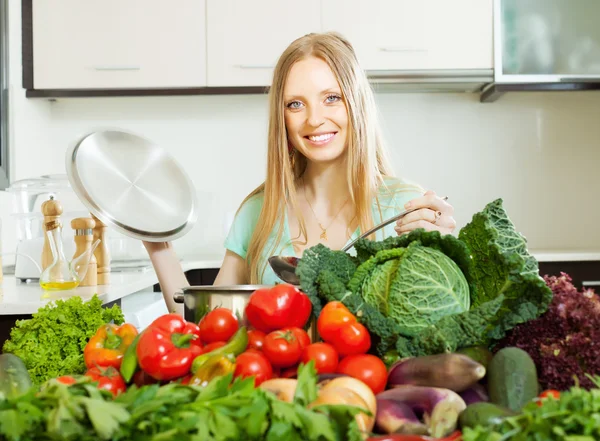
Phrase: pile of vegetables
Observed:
(51, 343)
(423, 293)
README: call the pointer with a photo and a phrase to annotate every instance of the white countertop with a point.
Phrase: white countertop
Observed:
(17, 297)
(565, 256)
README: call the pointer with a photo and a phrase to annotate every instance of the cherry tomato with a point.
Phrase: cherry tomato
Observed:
(367, 368)
(66, 379)
(256, 339)
(291, 372)
(352, 338)
(108, 379)
(324, 355)
(253, 364)
(218, 325)
(300, 334)
(282, 348)
(550, 393)
(331, 319)
(212, 346)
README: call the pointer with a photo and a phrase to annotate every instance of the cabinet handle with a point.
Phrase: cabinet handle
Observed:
(254, 66)
(117, 67)
(591, 283)
(401, 49)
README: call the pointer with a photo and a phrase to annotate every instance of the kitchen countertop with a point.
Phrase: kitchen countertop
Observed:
(17, 297)
(565, 256)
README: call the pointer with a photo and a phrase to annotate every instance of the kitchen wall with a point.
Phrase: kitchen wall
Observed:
(539, 152)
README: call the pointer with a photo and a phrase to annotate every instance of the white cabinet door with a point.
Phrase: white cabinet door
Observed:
(113, 44)
(415, 34)
(246, 37)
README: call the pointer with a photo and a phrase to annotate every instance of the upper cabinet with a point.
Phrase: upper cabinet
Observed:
(245, 38)
(547, 40)
(415, 35)
(115, 44)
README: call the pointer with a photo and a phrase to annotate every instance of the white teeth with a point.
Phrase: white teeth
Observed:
(319, 138)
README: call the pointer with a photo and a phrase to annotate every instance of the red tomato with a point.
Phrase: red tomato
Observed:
(256, 339)
(212, 346)
(333, 316)
(253, 364)
(367, 368)
(141, 378)
(550, 393)
(66, 379)
(324, 355)
(300, 334)
(218, 325)
(282, 348)
(108, 379)
(352, 338)
(270, 309)
(289, 372)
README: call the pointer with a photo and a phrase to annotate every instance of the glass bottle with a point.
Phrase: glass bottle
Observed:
(59, 275)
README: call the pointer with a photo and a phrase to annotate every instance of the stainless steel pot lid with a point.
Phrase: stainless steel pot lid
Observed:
(132, 185)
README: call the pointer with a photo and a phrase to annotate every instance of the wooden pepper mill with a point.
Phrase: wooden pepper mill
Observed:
(102, 252)
(51, 209)
(84, 237)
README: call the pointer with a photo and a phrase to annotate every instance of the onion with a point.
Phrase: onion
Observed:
(358, 387)
(343, 395)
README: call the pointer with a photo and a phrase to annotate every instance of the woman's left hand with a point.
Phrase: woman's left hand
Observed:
(434, 213)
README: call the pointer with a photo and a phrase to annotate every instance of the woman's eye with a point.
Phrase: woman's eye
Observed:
(333, 98)
(294, 105)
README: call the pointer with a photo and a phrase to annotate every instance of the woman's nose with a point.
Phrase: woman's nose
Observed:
(316, 117)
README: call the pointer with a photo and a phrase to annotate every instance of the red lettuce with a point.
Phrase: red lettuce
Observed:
(564, 342)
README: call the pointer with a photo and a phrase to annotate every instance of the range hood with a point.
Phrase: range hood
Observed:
(430, 81)
(545, 45)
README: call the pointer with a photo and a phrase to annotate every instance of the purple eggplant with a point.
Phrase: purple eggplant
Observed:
(456, 372)
(398, 417)
(475, 394)
(440, 407)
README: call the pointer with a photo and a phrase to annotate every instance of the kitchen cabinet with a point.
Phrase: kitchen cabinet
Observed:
(245, 38)
(111, 44)
(415, 35)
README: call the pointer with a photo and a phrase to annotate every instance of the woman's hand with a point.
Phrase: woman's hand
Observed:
(433, 213)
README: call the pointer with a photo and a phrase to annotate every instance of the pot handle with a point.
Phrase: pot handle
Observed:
(178, 297)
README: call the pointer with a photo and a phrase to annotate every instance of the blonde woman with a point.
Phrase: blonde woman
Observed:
(329, 178)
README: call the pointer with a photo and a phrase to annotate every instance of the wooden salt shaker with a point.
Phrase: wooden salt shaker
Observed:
(84, 238)
(102, 252)
(51, 209)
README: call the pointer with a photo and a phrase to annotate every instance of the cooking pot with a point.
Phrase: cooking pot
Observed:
(199, 300)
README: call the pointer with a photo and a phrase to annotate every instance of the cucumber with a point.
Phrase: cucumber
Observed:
(483, 414)
(480, 354)
(14, 378)
(512, 379)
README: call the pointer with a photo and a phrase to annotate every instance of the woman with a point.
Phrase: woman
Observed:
(328, 178)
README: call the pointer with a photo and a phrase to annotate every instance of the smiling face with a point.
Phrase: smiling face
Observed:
(316, 117)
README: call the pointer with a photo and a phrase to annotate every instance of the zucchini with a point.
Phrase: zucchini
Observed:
(14, 378)
(512, 379)
(483, 414)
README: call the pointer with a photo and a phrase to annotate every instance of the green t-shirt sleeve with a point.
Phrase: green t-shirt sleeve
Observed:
(243, 225)
(392, 198)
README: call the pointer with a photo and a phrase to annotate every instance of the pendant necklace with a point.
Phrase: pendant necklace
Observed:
(323, 229)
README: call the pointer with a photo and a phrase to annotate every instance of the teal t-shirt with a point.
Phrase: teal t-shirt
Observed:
(390, 201)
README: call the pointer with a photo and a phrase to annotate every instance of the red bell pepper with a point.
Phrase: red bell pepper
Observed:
(168, 346)
(107, 347)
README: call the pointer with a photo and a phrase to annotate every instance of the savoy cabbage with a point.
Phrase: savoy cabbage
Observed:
(422, 305)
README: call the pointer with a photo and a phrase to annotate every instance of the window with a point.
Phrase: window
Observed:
(4, 176)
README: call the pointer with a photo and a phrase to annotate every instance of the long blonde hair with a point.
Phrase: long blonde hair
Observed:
(366, 159)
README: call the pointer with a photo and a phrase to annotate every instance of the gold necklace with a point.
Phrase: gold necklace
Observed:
(323, 229)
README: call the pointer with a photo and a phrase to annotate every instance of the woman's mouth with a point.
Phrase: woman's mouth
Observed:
(320, 139)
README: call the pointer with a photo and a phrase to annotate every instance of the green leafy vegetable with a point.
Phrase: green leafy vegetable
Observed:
(51, 343)
(575, 416)
(226, 409)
